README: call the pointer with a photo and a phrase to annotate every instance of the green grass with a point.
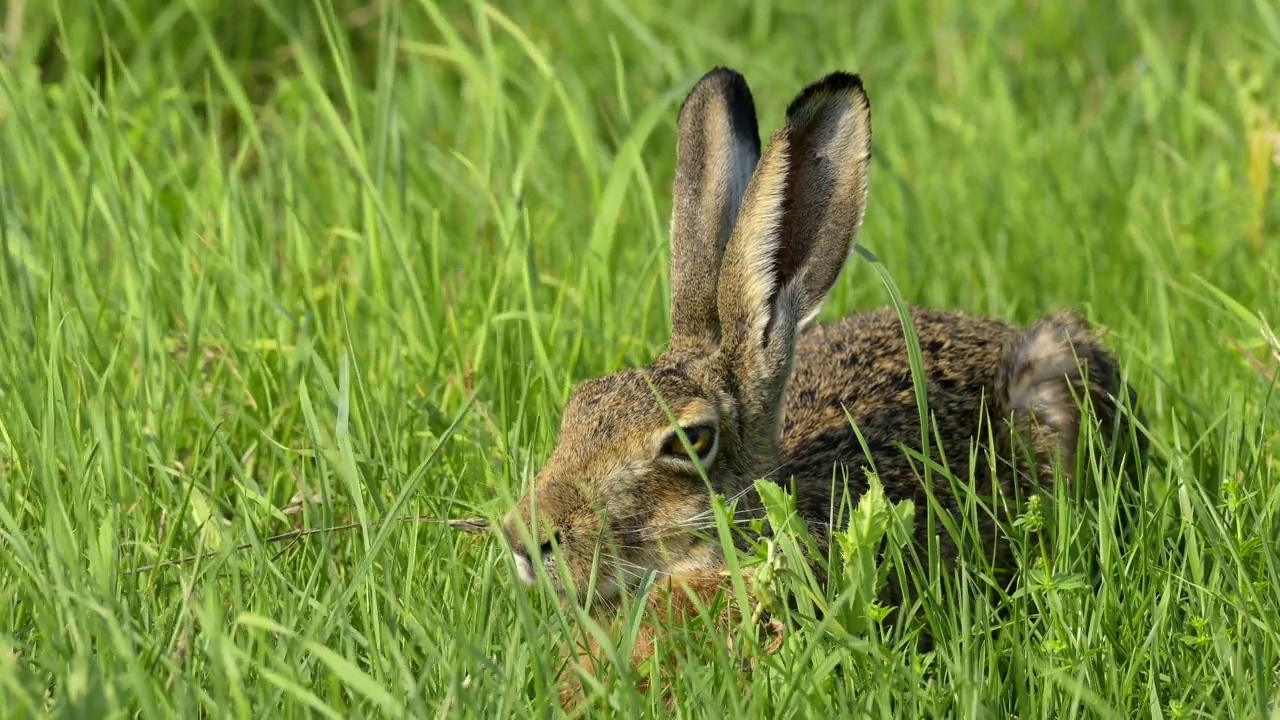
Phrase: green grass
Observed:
(361, 253)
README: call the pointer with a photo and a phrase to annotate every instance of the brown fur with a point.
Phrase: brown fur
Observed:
(752, 264)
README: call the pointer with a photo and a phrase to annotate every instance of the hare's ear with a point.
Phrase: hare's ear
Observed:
(798, 221)
(716, 152)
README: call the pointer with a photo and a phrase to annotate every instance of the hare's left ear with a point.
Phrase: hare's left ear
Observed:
(799, 219)
(717, 149)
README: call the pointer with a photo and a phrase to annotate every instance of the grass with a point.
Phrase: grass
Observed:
(292, 265)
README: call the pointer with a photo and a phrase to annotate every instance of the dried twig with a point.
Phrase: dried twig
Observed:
(471, 526)
(1252, 359)
(1267, 332)
(13, 26)
(9, 42)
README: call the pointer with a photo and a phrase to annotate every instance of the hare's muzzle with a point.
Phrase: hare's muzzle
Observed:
(529, 554)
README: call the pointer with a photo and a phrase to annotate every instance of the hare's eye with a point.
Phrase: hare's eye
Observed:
(702, 442)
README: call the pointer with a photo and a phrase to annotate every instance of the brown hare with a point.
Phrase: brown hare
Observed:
(750, 387)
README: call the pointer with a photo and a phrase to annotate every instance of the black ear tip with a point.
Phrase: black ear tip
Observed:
(725, 73)
(731, 87)
(835, 83)
(732, 84)
(725, 82)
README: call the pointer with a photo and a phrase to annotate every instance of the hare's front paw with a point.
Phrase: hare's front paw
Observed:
(675, 606)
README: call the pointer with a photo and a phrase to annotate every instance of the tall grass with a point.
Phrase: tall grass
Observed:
(283, 265)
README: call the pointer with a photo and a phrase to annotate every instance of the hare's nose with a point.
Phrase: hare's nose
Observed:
(543, 551)
(525, 564)
(525, 556)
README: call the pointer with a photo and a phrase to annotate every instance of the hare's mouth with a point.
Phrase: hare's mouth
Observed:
(611, 577)
(615, 573)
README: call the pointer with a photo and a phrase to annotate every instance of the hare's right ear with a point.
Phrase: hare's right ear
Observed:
(800, 217)
(716, 152)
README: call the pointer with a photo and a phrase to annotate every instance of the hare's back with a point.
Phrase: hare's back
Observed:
(859, 365)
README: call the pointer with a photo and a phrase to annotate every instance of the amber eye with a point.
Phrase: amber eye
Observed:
(702, 440)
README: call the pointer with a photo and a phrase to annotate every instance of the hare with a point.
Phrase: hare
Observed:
(751, 387)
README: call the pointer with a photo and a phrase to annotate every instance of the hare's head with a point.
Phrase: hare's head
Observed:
(756, 244)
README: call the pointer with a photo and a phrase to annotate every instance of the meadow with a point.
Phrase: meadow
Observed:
(285, 284)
